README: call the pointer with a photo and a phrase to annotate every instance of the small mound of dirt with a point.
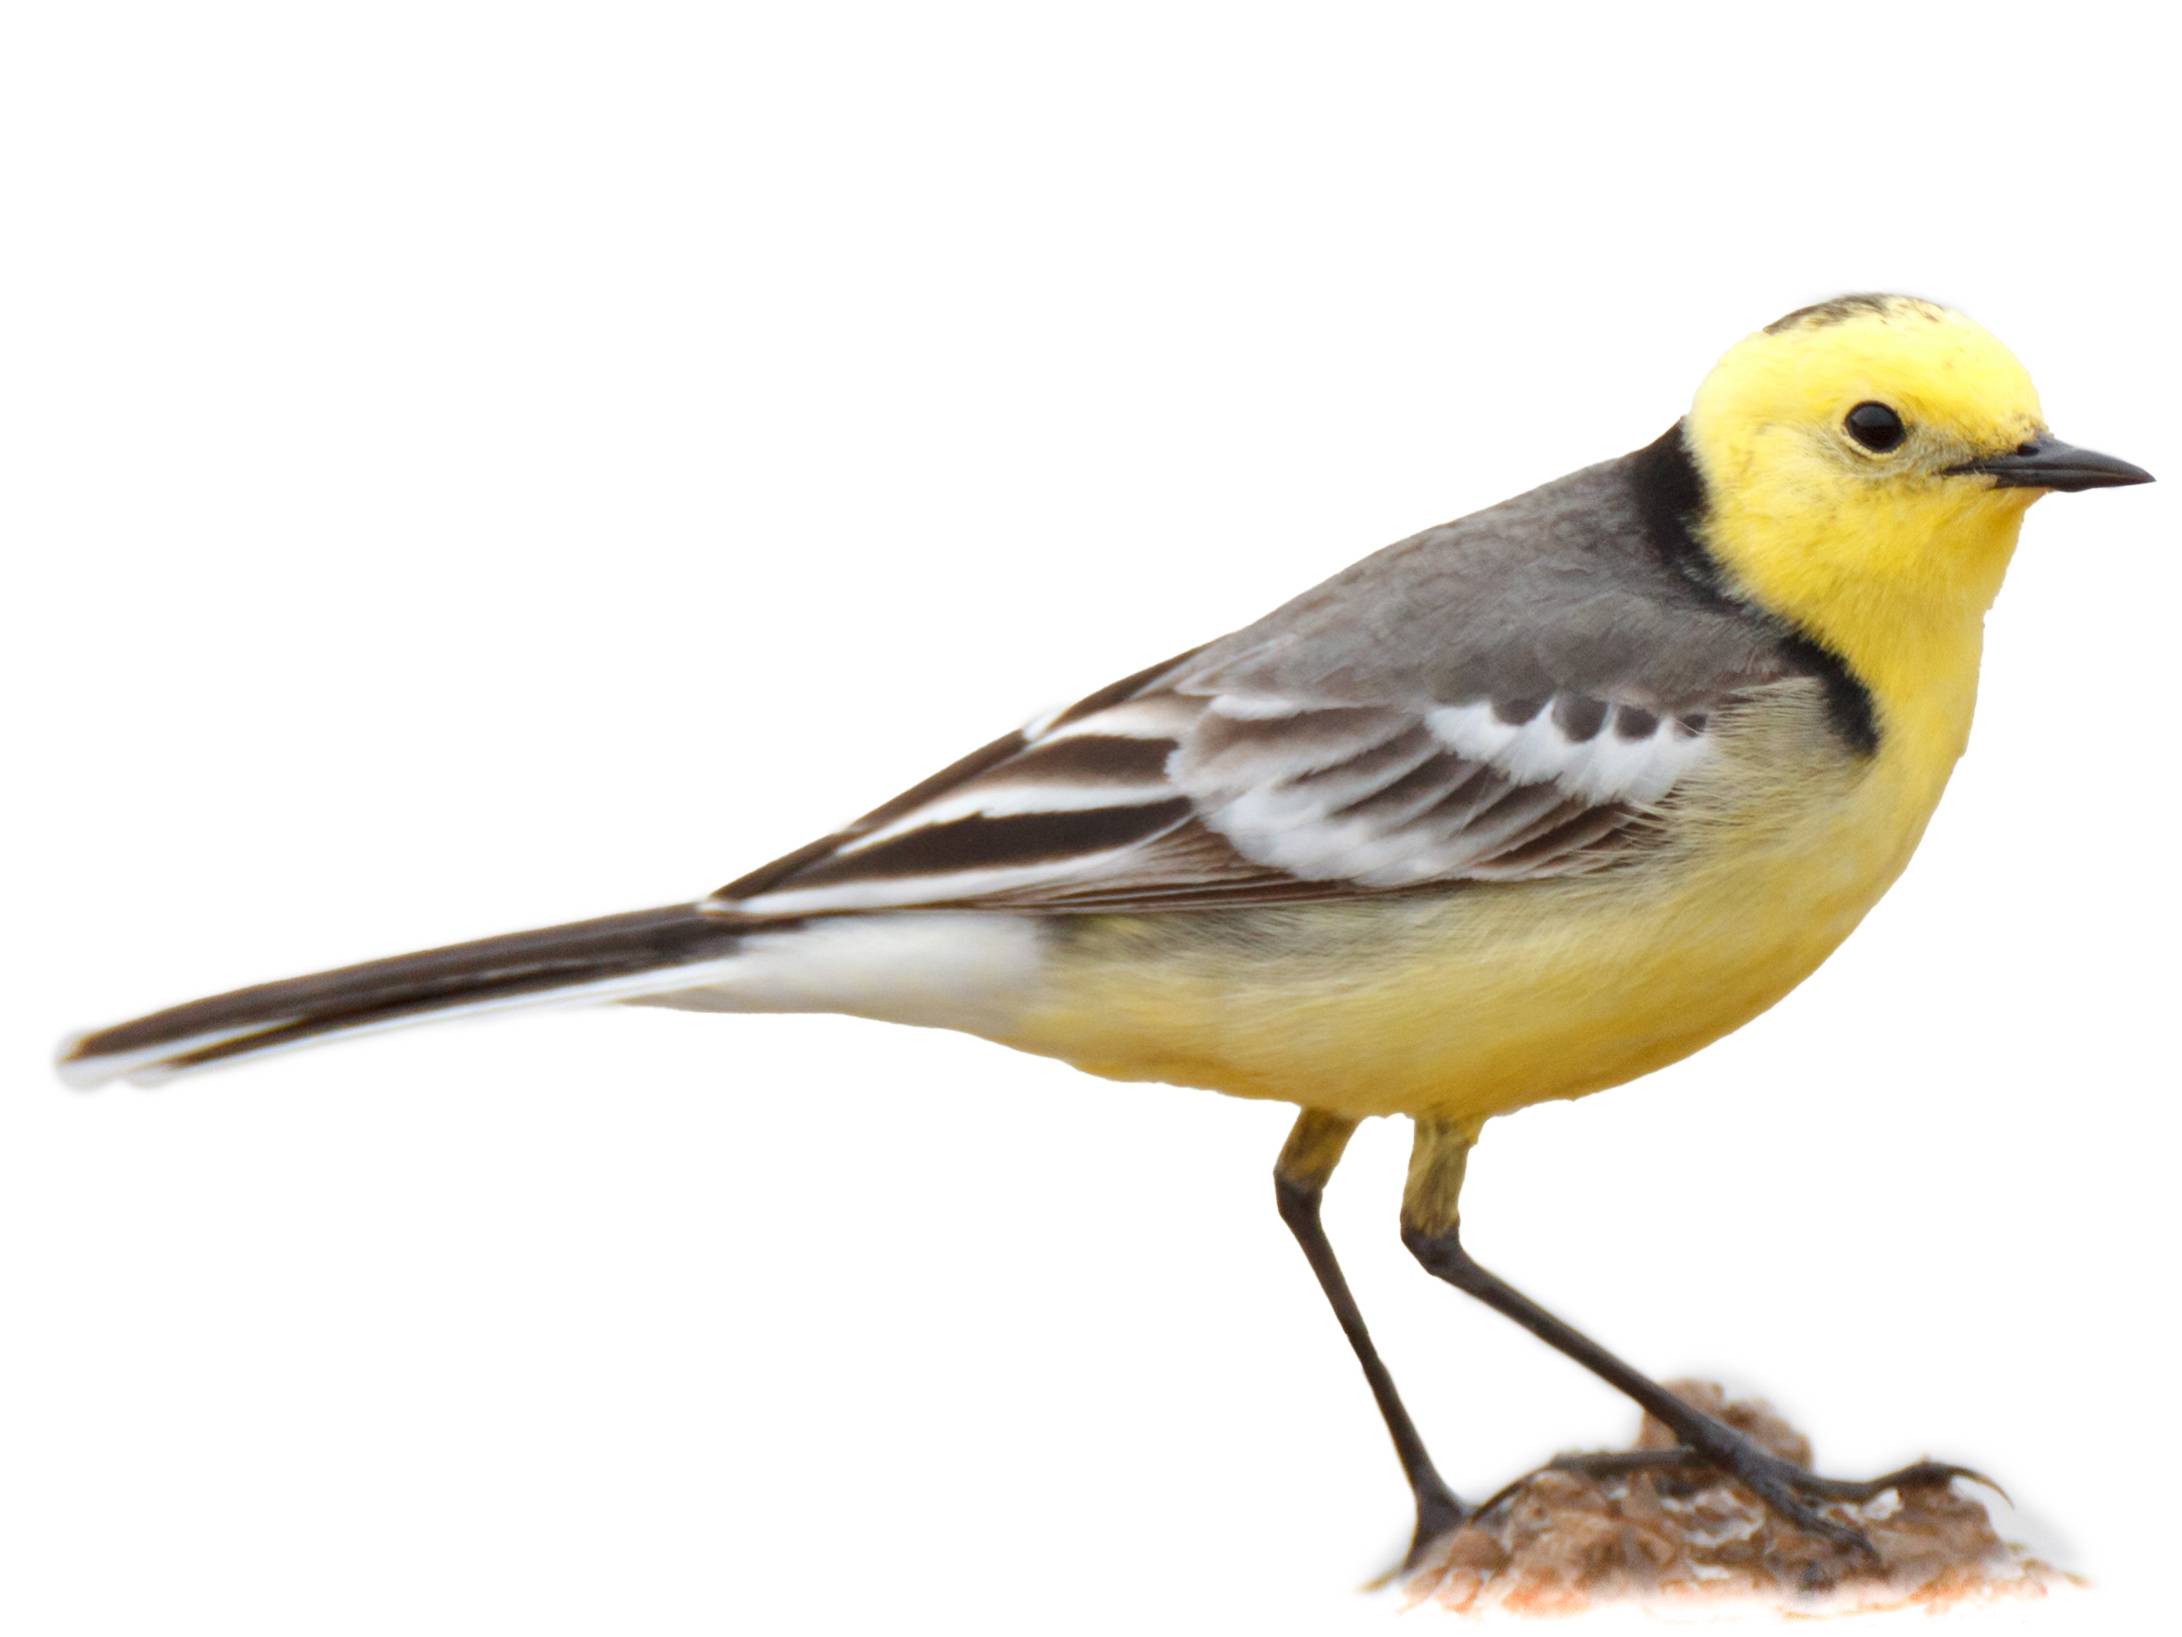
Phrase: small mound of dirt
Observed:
(1567, 1541)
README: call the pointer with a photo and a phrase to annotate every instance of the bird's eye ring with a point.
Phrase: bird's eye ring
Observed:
(1875, 426)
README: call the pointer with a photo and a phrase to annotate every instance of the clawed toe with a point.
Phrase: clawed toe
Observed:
(1917, 1473)
(1786, 1489)
(1782, 1497)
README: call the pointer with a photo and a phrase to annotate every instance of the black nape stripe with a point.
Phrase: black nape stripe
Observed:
(1670, 499)
(1670, 494)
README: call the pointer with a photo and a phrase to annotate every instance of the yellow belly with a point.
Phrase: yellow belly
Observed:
(1488, 997)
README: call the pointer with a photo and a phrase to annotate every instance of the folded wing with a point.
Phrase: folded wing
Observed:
(1173, 796)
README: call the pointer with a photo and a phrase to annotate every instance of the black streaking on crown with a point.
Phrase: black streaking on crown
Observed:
(1842, 308)
(1670, 498)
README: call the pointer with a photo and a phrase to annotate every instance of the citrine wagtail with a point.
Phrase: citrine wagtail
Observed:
(1519, 808)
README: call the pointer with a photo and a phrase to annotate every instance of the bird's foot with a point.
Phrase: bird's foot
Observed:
(1793, 1493)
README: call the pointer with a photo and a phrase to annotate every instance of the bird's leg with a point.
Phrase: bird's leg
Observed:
(1431, 1228)
(1307, 1159)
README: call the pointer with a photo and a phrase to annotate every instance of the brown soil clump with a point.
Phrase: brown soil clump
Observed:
(1562, 1542)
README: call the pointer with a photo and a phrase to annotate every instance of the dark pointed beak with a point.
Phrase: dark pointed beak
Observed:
(2047, 463)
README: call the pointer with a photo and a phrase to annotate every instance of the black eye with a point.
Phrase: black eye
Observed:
(1876, 427)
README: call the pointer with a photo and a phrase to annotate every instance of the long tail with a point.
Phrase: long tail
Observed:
(620, 957)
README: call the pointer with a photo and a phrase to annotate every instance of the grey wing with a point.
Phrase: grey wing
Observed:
(1515, 696)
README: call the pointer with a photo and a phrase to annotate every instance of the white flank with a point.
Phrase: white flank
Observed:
(943, 970)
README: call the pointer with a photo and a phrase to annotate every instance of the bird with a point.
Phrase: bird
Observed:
(1519, 808)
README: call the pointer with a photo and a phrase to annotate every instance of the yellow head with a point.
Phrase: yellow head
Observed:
(1866, 465)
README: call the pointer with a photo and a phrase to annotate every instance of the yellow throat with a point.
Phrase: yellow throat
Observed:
(1885, 560)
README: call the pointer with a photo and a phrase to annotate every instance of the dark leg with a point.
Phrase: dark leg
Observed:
(1313, 1149)
(1431, 1228)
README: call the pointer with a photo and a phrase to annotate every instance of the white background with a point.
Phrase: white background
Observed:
(469, 466)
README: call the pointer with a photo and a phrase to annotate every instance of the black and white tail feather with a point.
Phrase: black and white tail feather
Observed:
(618, 957)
